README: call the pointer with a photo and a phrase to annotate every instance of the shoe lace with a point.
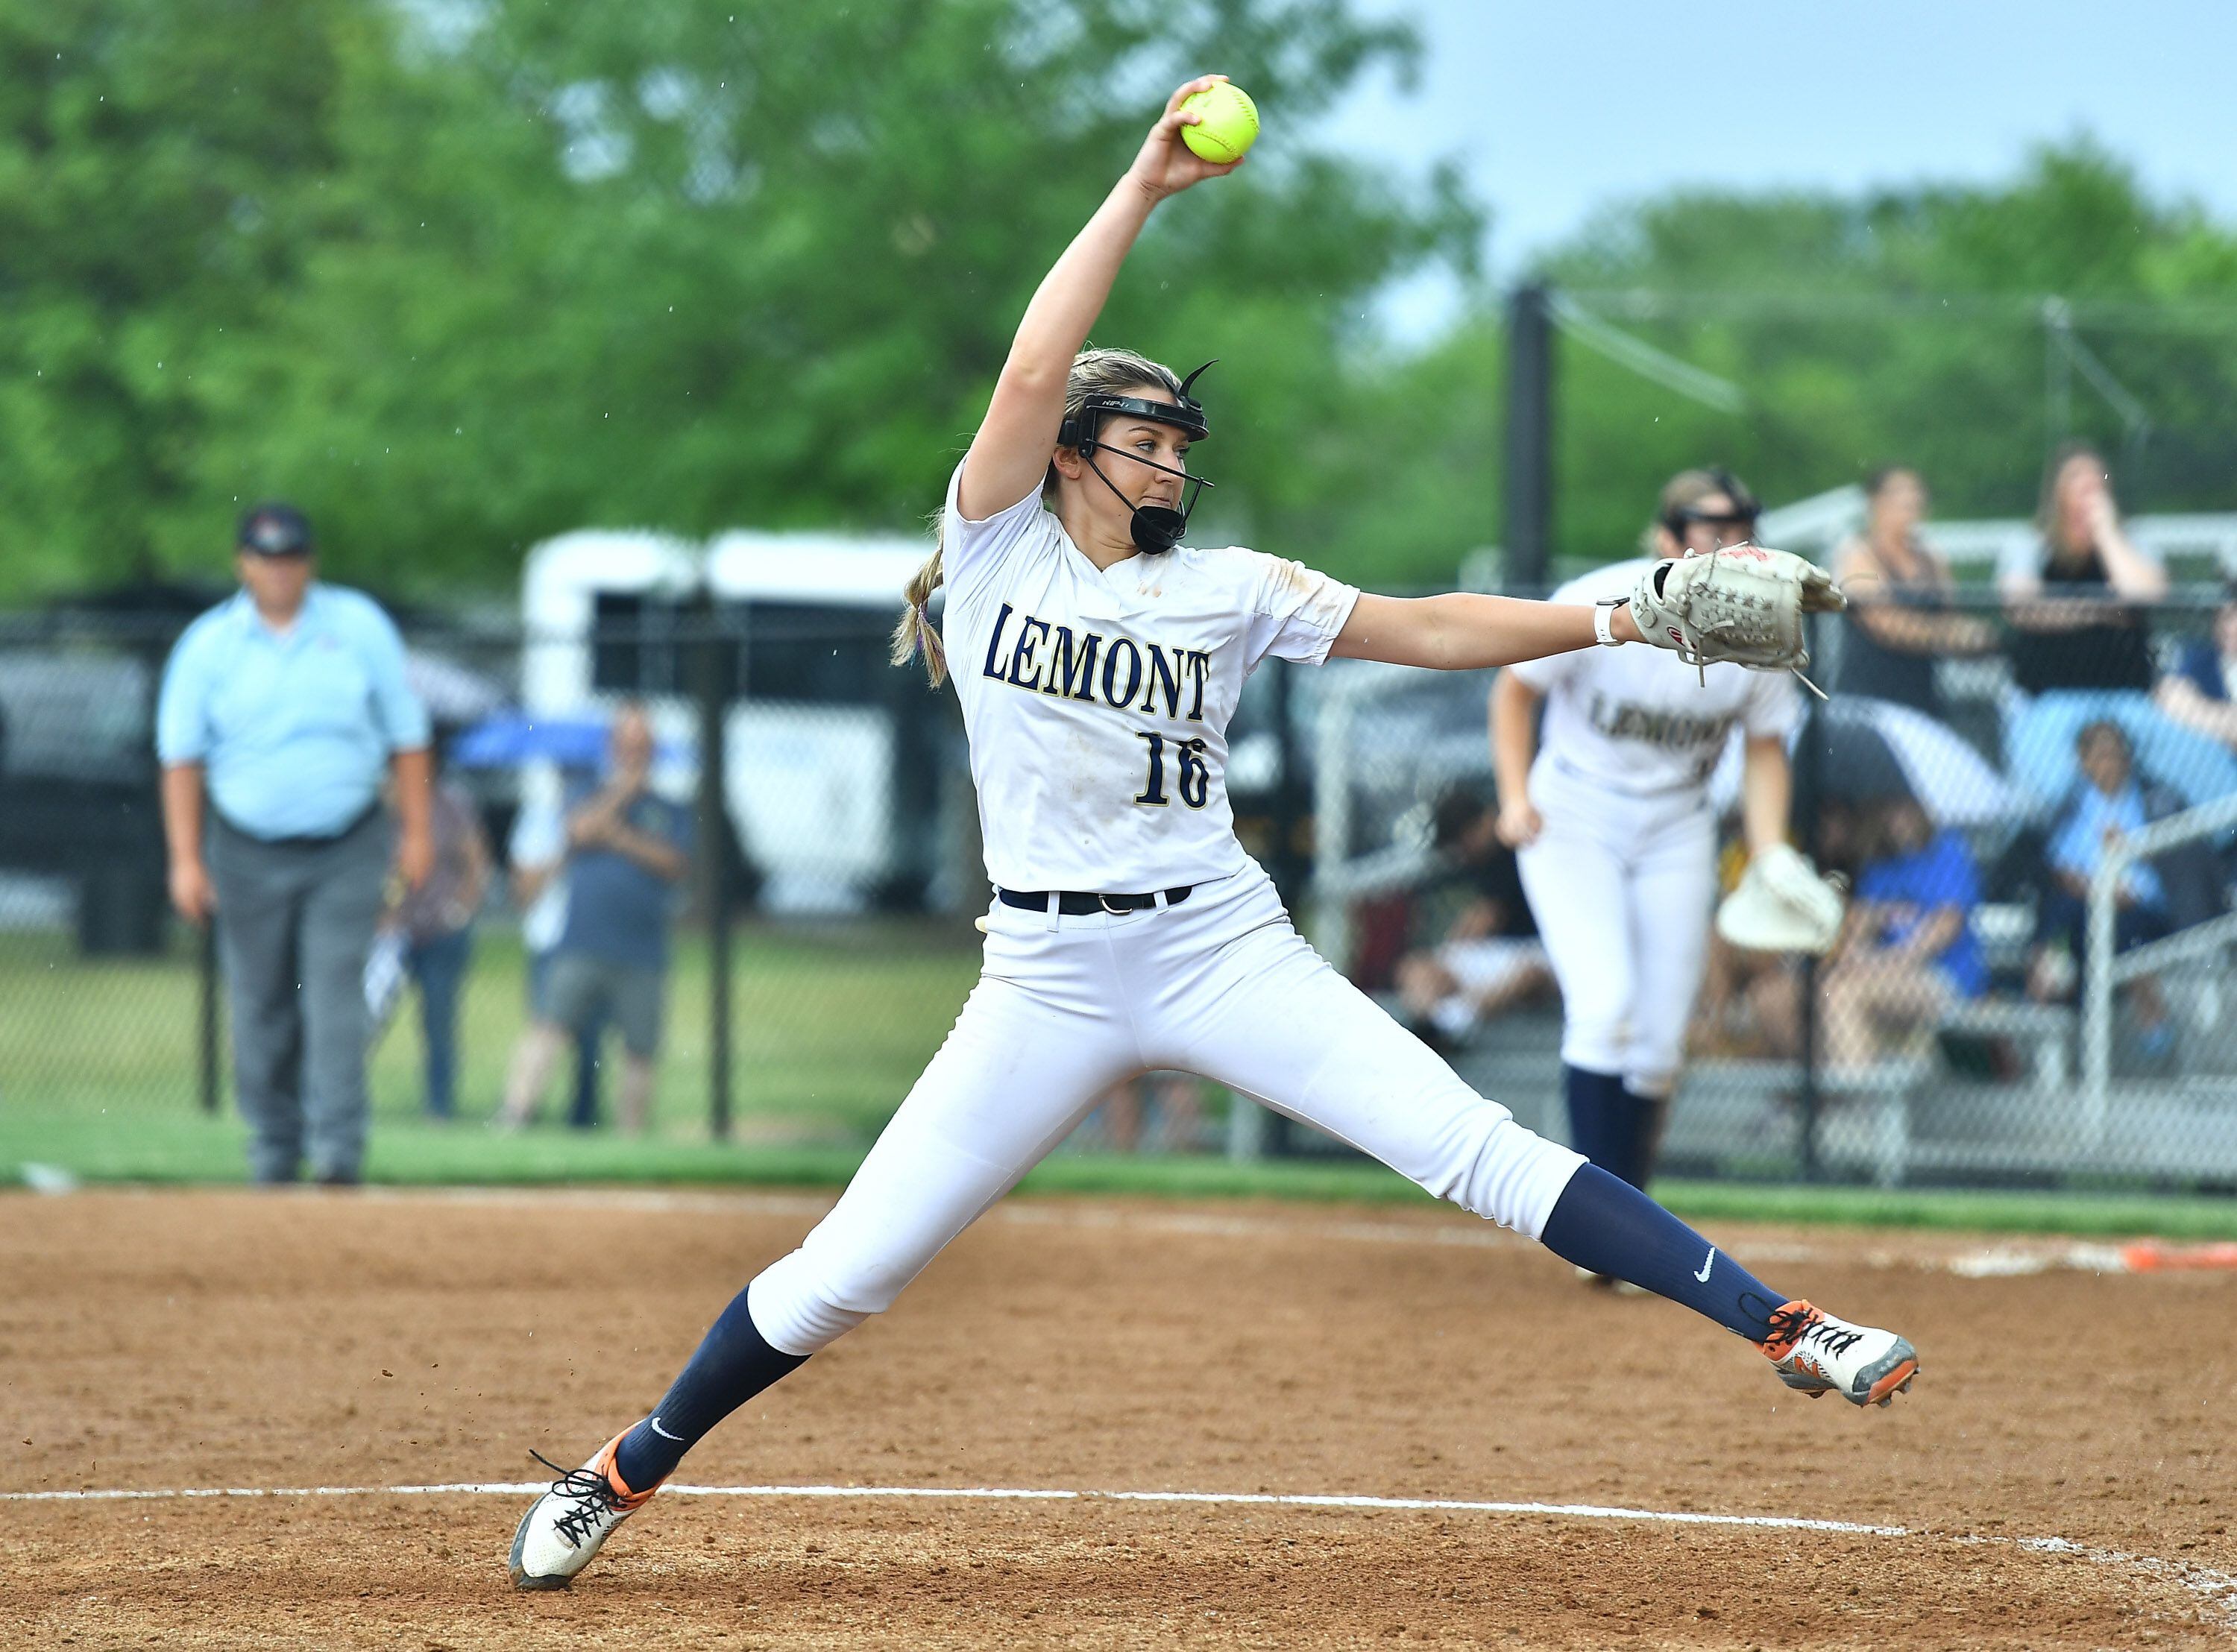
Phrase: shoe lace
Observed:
(1788, 1326)
(592, 1494)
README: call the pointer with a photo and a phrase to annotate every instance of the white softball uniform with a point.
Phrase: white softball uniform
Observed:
(1622, 879)
(1097, 703)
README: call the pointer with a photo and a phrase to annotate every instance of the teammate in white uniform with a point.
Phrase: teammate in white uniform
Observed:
(1097, 662)
(1608, 810)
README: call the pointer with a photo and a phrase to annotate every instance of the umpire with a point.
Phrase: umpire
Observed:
(280, 707)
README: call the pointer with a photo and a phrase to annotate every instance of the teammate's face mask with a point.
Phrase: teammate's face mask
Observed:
(1733, 526)
(1152, 527)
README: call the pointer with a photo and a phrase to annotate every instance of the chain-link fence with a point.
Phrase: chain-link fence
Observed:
(2032, 808)
(2031, 804)
(823, 939)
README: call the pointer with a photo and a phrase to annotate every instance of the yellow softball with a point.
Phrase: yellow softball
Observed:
(1230, 125)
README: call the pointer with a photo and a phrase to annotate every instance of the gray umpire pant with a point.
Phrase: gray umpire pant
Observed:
(295, 921)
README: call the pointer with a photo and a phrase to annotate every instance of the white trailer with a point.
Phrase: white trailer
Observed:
(823, 785)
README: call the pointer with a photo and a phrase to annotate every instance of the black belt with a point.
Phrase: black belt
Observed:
(1074, 903)
(318, 840)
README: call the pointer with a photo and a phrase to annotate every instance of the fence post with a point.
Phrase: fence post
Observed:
(1289, 869)
(1810, 788)
(2096, 964)
(205, 1011)
(711, 693)
(1529, 494)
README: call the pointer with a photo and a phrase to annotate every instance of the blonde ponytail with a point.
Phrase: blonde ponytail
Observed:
(915, 629)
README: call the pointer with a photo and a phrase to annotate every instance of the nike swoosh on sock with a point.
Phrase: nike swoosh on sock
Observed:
(654, 1421)
(1703, 1276)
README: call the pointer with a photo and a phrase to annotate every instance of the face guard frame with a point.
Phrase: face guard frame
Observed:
(1745, 510)
(1153, 527)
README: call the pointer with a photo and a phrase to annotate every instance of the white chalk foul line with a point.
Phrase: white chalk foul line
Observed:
(999, 1494)
(2216, 1591)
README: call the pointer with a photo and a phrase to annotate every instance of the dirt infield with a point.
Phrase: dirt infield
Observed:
(232, 1341)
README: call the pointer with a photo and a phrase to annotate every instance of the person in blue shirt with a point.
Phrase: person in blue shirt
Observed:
(281, 711)
(2108, 805)
(627, 849)
(1908, 952)
(2200, 693)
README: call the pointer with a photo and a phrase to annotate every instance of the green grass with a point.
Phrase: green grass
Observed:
(98, 1063)
(97, 1076)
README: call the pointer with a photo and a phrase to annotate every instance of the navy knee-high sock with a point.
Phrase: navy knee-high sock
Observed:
(1607, 1225)
(732, 1364)
(1646, 1125)
(1599, 1118)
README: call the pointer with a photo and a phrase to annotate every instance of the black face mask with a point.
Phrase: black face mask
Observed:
(1153, 527)
(1157, 527)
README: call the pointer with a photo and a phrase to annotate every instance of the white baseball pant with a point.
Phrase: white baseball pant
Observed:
(1221, 985)
(1623, 889)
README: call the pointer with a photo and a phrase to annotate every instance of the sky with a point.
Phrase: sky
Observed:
(1555, 109)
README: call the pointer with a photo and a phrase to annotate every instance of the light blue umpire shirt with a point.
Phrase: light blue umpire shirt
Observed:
(293, 730)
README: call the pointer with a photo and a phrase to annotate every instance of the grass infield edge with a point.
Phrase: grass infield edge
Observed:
(418, 1157)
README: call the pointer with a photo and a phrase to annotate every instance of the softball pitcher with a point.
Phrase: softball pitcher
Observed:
(1098, 660)
(1615, 836)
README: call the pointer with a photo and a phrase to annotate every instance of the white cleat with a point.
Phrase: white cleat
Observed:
(1819, 1354)
(562, 1528)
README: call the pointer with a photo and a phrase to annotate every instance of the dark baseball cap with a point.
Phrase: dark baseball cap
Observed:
(275, 529)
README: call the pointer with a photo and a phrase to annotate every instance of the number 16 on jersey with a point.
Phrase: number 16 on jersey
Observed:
(1194, 779)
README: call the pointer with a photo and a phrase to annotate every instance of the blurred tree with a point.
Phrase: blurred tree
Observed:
(458, 274)
(664, 262)
(158, 163)
(1906, 325)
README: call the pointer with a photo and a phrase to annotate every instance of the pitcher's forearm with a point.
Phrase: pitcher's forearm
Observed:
(1464, 631)
(1072, 295)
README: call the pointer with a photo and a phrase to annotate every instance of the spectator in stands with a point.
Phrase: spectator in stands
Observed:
(2109, 806)
(627, 849)
(281, 711)
(1490, 957)
(537, 851)
(438, 922)
(1751, 1003)
(2080, 647)
(2200, 693)
(1907, 952)
(1900, 596)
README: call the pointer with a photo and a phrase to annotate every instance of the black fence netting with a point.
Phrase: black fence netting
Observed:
(2031, 809)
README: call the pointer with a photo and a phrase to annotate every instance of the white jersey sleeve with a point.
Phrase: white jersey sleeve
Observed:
(1295, 611)
(1774, 705)
(972, 552)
